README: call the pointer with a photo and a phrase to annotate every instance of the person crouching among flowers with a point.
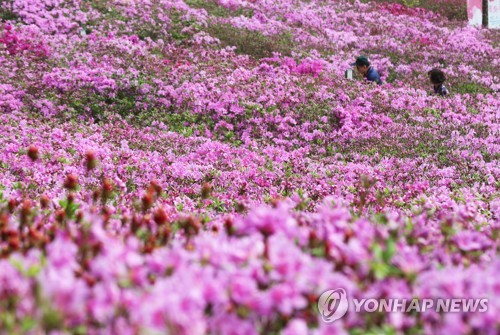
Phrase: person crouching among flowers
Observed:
(364, 67)
(437, 79)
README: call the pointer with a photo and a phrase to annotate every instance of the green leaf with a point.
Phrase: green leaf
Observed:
(390, 250)
(80, 330)
(51, 320)
(27, 324)
(33, 270)
(318, 252)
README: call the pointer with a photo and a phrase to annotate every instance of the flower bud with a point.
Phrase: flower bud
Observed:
(12, 204)
(147, 201)
(90, 280)
(229, 227)
(206, 190)
(191, 226)
(313, 239)
(44, 201)
(136, 223)
(348, 234)
(79, 216)
(106, 214)
(160, 216)
(35, 234)
(33, 153)
(14, 242)
(60, 215)
(25, 211)
(95, 195)
(154, 187)
(90, 160)
(107, 189)
(71, 181)
(4, 220)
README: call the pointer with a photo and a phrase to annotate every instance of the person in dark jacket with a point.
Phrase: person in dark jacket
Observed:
(438, 78)
(363, 66)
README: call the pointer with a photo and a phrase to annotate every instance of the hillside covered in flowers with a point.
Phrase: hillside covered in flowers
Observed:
(203, 167)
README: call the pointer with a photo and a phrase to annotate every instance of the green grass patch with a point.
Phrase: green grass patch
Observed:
(251, 42)
(468, 88)
(217, 10)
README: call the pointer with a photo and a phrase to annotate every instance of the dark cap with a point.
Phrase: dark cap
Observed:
(360, 61)
(437, 76)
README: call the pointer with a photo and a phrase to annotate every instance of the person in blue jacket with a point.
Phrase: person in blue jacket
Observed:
(366, 70)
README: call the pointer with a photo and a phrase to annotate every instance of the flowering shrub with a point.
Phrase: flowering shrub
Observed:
(203, 167)
(451, 9)
(14, 43)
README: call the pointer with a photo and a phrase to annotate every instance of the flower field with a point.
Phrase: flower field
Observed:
(203, 167)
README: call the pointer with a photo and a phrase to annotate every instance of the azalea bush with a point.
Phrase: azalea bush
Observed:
(451, 9)
(203, 167)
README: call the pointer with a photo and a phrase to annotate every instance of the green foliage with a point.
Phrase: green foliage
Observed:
(217, 205)
(51, 320)
(452, 9)
(251, 42)
(176, 30)
(381, 265)
(392, 76)
(313, 111)
(411, 3)
(217, 10)
(376, 330)
(109, 13)
(31, 271)
(7, 320)
(28, 324)
(455, 11)
(5, 13)
(100, 105)
(80, 330)
(469, 88)
(70, 208)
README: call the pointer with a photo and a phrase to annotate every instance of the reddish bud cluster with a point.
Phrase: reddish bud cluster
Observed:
(44, 201)
(160, 217)
(95, 195)
(154, 187)
(191, 226)
(14, 242)
(147, 201)
(33, 153)
(60, 215)
(276, 200)
(229, 227)
(79, 216)
(4, 219)
(206, 190)
(25, 212)
(107, 189)
(12, 204)
(71, 181)
(90, 160)
(71, 197)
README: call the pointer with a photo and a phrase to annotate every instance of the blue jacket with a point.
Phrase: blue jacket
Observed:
(372, 75)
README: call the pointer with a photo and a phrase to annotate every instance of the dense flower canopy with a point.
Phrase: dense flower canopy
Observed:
(203, 167)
